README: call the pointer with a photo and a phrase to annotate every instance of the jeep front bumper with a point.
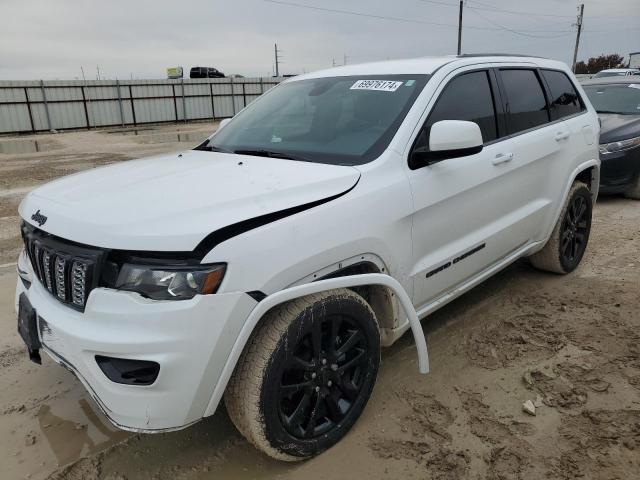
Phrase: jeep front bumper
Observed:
(189, 339)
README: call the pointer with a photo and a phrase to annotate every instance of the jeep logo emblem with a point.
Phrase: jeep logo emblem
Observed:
(39, 218)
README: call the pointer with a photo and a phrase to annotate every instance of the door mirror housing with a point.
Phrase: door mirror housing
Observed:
(449, 139)
(223, 122)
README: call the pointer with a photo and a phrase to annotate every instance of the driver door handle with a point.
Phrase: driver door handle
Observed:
(561, 136)
(502, 158)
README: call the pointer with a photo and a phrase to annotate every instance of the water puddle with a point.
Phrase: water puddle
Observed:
(192, 137)
(77, 433)
(133, 131)
(16, 147)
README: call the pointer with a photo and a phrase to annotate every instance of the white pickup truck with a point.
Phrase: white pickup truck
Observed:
(270, 264)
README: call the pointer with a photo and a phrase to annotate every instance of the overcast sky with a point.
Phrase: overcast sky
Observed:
(140, 38)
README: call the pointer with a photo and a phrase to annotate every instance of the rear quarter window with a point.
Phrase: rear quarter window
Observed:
(526, 103)
(564, 100)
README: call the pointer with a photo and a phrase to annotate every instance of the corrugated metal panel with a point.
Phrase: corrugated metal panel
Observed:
(155, 110)
(12, 95)
(198, 108)
(67, 115)
(238, 103)
(78, 104)
(39, 117)
(14, 118)
(221, 88)
(224, 107)
(104, 113)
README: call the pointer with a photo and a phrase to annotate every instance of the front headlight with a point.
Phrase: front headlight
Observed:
(619, 146)
(170, 283)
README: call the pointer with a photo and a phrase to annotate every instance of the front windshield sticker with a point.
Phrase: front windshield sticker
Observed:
(409, 83)
(379, 85)
(634, 85)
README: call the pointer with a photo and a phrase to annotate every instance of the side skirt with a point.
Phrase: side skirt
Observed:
(465, 286)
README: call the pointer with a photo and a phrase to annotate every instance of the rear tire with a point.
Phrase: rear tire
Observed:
(306, 374)
(634, 191)
(566, 246)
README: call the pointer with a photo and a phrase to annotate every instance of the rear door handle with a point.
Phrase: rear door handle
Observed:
(561, 136)
(502, 158)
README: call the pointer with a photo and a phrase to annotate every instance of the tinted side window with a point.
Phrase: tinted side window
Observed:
(564, 98)
(467, 97)
(526, 103)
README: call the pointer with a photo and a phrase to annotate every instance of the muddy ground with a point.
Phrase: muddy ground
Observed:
(571, 344)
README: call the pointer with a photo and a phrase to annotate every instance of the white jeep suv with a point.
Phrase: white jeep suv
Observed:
(270, 264)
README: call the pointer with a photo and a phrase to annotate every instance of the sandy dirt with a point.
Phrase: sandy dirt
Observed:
(570, 344)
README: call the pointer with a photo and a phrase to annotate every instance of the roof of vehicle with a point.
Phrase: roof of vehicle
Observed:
(426, 65)
(618, 70)
(609, 80)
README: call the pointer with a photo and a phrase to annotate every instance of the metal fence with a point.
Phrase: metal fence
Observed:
(35, 106)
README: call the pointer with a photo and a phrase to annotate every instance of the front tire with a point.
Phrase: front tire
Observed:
(566, 246)
(306, 374)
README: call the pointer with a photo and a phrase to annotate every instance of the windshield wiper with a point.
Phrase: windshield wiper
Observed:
(212, 148)
(270, 154)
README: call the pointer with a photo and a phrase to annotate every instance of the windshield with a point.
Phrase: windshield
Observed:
(337, 120)
(622, 98)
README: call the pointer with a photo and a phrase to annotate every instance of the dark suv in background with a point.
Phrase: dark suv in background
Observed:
(205, 72)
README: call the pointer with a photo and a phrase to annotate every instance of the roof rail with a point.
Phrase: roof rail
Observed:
(471, 55)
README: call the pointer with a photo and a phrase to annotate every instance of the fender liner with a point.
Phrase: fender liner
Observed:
(306, 289)
(572, 178)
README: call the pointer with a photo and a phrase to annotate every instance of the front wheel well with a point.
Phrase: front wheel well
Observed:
(381, 299)
(589, 177)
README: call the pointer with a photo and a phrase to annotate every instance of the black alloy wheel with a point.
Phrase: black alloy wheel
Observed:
(306, 374)
(323, 376)
(575, 229)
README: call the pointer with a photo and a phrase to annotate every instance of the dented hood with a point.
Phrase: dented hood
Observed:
(172, 202)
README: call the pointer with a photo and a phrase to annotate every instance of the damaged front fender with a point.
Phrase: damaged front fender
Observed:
(291, 293)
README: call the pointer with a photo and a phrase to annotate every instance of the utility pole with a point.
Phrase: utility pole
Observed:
(460, 29)
(579, 25)
(345, 59)
(277, 57)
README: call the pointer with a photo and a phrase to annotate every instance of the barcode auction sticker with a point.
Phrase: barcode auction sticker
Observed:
(379, 85)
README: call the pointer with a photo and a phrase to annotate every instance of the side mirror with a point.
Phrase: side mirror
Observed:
(449, 139)
(223, 122)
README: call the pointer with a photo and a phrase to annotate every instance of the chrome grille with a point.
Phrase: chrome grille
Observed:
(67, 270)
(78, 282)
(61, 281)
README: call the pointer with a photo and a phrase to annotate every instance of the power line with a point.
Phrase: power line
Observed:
(397, 19)
(521, 33)
(493, 9)
(360, 14)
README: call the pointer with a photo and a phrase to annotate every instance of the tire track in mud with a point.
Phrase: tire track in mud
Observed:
(430, 443)
(509, 455)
